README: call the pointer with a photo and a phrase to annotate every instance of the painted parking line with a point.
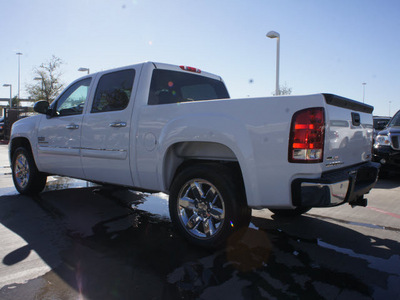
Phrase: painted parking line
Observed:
(384, 212)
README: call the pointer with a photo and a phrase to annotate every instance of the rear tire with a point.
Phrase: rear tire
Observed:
(207, 204)
(27, 178)
(290, 212)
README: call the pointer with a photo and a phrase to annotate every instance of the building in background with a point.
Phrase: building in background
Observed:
(25, 103)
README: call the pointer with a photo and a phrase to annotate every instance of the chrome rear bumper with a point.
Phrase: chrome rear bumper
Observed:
(336, 187)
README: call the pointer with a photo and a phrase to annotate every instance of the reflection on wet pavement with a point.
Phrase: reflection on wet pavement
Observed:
(115, 249)
(55, 183)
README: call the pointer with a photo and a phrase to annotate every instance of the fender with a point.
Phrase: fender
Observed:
(218, 128)
(26, 128)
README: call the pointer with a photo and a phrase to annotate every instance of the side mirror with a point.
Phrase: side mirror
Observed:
(41, 107)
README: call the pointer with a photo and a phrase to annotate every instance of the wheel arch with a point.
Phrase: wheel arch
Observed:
(17, 142)
(182, 155)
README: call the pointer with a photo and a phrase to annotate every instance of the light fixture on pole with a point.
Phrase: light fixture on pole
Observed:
(84, 70)
(19, 74)
(364, 83)
(41, 79)
(9, 85)
(276, 35)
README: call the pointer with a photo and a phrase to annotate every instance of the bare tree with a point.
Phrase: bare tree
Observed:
(47, 84)
(284, 90)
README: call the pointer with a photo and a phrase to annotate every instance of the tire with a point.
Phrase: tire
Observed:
(290, 212)
(27, 178)
(207, 204)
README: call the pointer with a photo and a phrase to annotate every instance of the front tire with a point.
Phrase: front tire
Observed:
(207, 204)
(27, 178)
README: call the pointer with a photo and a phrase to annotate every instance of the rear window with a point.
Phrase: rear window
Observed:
(173, 87)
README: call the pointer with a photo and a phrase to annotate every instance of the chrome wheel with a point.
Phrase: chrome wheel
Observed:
(27, 178)
(201, 209)
(21, 171)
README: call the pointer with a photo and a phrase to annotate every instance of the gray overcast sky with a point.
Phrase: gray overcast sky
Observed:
(326, 46)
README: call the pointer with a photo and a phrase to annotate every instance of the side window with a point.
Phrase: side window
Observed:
(113, 91)
(72, 101)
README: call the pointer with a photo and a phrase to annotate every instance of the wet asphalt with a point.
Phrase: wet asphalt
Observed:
(79, 241)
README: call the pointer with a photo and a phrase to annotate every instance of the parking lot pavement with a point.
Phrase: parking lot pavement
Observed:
(6, 184)
(104, 243)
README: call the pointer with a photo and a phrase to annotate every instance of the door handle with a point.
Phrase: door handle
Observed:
(118, 124)
(72, 126)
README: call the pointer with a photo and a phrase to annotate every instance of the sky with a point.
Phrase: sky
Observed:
(325, 46)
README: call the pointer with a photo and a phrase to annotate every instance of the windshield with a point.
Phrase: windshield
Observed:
(380, 123)
(395, 121)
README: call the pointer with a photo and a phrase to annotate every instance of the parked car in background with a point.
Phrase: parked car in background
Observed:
(2, 128)
(386, 148)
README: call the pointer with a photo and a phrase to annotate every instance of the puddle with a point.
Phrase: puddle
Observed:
(55, 183)
(367, 225)
(390, 265)
(156, 204)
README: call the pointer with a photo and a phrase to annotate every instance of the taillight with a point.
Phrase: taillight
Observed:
(306, 143)
(190, 69)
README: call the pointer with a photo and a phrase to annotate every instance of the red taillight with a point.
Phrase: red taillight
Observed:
(190, 69)
(306, 143)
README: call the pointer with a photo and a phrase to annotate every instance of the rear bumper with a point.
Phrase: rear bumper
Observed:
(336, 187)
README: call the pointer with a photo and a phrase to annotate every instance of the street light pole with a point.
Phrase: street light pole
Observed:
(19, 75)
(10, 85)
(273, 35)
(364, 83)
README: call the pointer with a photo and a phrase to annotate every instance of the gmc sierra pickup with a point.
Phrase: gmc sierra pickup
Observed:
(159, 127)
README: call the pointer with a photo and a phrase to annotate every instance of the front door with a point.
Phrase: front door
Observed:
(106, 129)
(59, 135)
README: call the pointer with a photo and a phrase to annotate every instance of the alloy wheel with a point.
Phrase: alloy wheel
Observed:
(21, 171)
(201, 208)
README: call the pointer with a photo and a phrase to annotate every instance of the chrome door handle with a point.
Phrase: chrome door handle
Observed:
(72, 126)
(118, 124)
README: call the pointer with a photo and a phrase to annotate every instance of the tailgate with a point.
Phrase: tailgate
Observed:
(348, 132)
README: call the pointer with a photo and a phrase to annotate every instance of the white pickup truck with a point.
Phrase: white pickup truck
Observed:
(159, 127)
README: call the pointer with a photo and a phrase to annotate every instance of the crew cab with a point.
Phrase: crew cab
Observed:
(387, 146)
(159, 127)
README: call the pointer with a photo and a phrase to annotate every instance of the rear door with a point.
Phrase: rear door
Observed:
(106, 128)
